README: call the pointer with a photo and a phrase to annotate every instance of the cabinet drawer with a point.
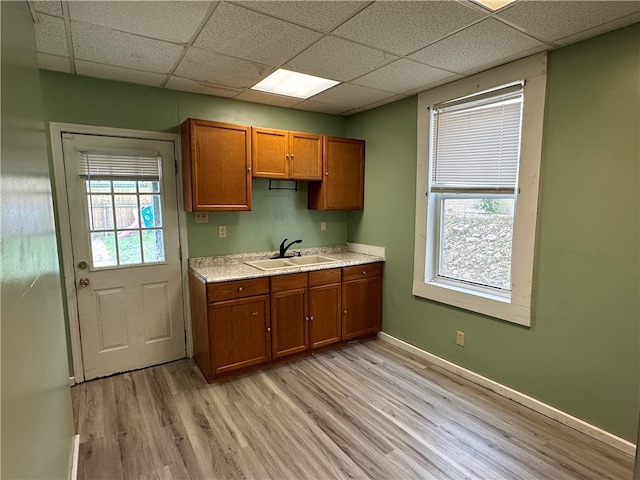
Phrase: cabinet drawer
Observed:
(361, 271)
(324, 277)
(283, 283)
(237, 289)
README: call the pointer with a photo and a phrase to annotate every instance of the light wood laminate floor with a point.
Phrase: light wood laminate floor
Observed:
(364, 411)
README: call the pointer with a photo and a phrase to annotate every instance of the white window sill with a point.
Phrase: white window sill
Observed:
(484, 303)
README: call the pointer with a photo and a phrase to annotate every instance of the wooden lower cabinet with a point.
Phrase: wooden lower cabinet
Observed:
(361, 300)
(242, 325)
(239, 333)
(289, 315)
(324, 307)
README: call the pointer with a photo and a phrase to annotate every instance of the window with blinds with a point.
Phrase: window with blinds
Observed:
(476, 143)
(124, 199)
(475, 149)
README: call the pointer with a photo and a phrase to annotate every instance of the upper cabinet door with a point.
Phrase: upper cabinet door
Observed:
(216, 160)
(342, 187)
(269, 153)
(281, 154)
(305, 156)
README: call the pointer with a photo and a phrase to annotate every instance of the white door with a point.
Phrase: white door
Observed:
(121, 196)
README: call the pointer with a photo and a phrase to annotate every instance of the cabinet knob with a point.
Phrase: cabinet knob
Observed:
(268, 329)
(311, 318)
(364, 272)
(287, 155)
(306, 318)
(292, 155)
(326, 174)
(239, 289)
(345, 312)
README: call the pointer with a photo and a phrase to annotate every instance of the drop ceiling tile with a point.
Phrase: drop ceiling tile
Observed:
(51, 36)
(186, 85)
(402, 27)
(403, 76)
(353, 96)
(600, 29)
(311, 106)
(109, 72)
(49, 7)
(267, 98)
(481, 44)
(111, 47)
(551, 21)
(174, 21)
(211, 67)
(339, 59)
(54, 62)
(322, 16)
(242, 33)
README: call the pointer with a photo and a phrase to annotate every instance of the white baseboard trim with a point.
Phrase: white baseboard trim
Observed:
(366, 249)
(518, 397)
(75, 457)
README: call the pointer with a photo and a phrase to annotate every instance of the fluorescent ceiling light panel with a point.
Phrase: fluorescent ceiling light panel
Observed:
(293, 84)
(494, 5)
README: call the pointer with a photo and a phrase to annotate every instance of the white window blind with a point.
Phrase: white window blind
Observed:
(121, 164)
(476, 142)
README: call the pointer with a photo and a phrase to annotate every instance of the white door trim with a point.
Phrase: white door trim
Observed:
(64, 226)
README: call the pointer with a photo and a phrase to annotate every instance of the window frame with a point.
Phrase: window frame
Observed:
(516, 307)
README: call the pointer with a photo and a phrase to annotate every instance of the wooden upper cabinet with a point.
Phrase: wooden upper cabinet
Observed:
(216, 159)
(280, 154)
(342, 186)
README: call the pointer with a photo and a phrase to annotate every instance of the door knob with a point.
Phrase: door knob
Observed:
(83, 265)
(84, 282)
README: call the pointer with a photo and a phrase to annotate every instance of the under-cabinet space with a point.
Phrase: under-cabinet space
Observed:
(281, 154)
(216, 160)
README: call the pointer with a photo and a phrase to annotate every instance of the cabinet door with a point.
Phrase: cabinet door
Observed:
(305, 156)
(217, 166)
(342, 186)
(269, 153)
(239, 333)
(289, 320)
(361, 307)
(324, 315)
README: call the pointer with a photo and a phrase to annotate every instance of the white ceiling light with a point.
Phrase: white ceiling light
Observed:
(293, 84)
(494, 5)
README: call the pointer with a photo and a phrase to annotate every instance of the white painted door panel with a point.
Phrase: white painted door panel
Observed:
(125, 229)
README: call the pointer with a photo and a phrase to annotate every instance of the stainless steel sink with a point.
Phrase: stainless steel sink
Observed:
(279, 263)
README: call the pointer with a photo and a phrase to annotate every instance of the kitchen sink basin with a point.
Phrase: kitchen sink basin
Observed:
(278, 263)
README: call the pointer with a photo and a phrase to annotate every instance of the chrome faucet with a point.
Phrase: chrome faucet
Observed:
(283, 248)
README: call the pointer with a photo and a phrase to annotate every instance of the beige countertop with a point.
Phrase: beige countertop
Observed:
(232, 267)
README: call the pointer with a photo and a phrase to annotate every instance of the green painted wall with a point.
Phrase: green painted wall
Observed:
(37, 423)
(276, 214)
(581, 353)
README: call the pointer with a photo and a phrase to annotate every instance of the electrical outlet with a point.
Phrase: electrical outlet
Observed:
(323, 226)
(201, 217)
(222, 231)
(460, 338)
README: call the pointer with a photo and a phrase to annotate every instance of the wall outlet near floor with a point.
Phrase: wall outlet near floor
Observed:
(460, 338)
(323, 226)
(201, 217)
(222, 231)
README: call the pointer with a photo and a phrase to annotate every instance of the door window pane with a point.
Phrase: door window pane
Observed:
(101, 207)
(103, 249)
(127, 215)
(153, 245)
(150, 210)
(129, 250)
(123, 186)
